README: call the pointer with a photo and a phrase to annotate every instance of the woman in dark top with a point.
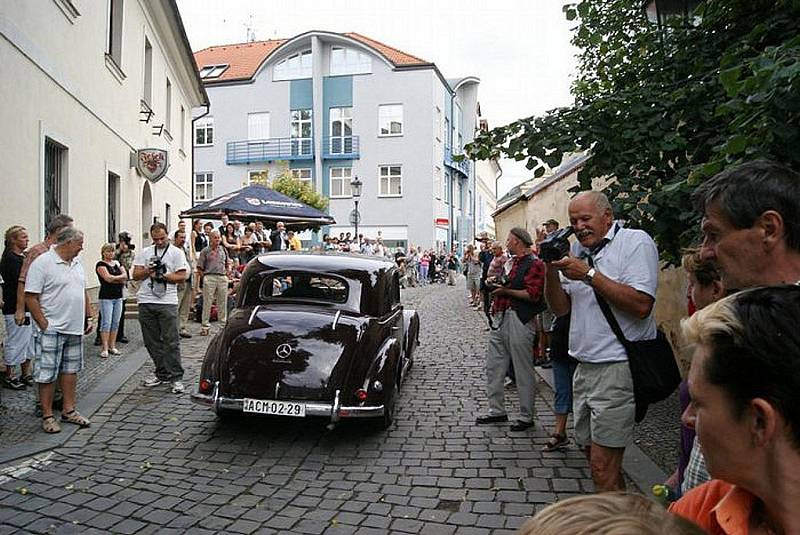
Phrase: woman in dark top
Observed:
(199, 239)
(19, 340)
(112, 276)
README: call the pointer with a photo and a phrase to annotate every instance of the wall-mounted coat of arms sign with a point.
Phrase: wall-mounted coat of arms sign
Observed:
(152, 163)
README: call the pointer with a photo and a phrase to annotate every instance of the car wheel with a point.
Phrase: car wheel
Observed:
(388, 408)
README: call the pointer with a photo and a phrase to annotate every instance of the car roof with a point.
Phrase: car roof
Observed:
(330, 262)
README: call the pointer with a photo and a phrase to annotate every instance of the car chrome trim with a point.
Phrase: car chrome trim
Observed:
(277, 388)
(335, 409)
(215, 397)
(312, 408)
(253, 314)
(336, 319)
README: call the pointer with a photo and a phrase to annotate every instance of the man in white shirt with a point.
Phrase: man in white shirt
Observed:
(621, 265)
(161, 267)
(55, 295)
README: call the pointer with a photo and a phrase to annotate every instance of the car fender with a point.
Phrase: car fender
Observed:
(384, 364)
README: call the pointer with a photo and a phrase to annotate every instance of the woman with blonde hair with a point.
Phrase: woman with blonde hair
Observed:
(19, 341)
(112, 276)
(609, 513)
(473, 271)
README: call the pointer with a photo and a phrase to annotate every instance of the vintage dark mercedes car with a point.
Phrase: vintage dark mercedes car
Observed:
(313, 334)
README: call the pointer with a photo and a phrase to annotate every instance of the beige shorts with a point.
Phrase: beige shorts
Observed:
(603, 404)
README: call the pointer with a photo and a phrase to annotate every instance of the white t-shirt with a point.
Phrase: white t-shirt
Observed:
(630, 258)
(61, 286)
(156, 293)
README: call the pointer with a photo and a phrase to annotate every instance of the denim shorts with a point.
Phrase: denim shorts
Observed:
(110, 313)
(56, 354)
(563, 370)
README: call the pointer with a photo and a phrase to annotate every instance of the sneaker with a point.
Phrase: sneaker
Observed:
(177, 387)
(152, 381)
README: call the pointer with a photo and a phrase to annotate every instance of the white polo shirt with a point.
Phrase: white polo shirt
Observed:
(160, 294)
(630, 258)
(61, 286)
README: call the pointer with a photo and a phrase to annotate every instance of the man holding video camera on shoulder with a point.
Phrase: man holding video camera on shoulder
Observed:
(620, 266)
(161, 267)
(517, 297)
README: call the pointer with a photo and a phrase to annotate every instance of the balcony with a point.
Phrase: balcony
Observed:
(340, 148)
(462, 167)
(265, 150)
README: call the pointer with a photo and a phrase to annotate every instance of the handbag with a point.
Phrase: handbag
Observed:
(653, 366)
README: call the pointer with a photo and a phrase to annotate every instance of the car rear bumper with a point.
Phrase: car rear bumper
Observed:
(334, 411)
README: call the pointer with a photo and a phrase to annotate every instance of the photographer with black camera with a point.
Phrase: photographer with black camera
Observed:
(620, 266)
(161, 267)
(517, 297)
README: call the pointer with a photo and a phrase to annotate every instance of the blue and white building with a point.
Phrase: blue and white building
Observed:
(331, 107)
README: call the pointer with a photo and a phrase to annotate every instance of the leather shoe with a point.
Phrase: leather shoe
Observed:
(519, 425)
(491, 419)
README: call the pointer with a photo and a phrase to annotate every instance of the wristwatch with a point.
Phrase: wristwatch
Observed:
(589, 277)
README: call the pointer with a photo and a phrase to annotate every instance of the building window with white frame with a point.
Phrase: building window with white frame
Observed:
(204, 132)
(260, 178)
(390, 120)
(438, 126)
(168, 108)
(147, 87)
(115, 25)
(437, 182)
(447, 143)
(183, 127)
(341, 131)
(340, 182)
(302, 174)
(391, 181)
(213, 71)
(294, 67)
(446, 188)
(300, 131)
(349, 61)
(203, 187)
(55, 179)
(258, 126)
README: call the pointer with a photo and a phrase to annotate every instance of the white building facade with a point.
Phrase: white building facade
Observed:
(331, 107)
(85, 85)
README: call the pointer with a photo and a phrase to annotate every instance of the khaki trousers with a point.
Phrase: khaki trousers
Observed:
(184, 302)
(215, 288)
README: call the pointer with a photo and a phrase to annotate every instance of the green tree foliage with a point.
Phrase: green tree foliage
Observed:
(663, 110)
(297, 189)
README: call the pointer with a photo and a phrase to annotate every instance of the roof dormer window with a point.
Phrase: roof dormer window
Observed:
(213, 71)
(294, 67)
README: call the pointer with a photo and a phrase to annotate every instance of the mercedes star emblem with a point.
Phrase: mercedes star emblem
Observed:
(283, 351)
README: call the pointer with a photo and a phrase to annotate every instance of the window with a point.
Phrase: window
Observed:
(258, 126)
(204, 132)
(294, 67)
(438, 126)
(300, 132)
(168, 216)
(303, 175)
(340, 181)
(446, 189)
(147, 89)
(456, 128)
(341, 130)
(299, 285)
(114, 45)
(447, 133)
(203, 187)
(391, 181)
(55, 165)
(183, 128)
(212, 71)
(437, 182)
(112, 227)
(168, 107)
(349, 61)
(390, 120)
(258, 177)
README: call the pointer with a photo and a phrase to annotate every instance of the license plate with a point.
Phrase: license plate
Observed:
(276, 408)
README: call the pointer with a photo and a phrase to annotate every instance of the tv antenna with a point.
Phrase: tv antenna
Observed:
(251, 33)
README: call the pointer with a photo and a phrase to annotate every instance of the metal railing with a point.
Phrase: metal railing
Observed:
(462, 166)
(340, 147)
(263, 150)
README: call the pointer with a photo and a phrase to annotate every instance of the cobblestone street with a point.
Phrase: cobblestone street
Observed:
(155, 462)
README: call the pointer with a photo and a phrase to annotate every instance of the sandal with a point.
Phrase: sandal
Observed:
(114, 351)
(49, 425)
(204, 331)
(556, 442)
(74, 417)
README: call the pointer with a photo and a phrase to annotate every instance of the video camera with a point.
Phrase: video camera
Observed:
(501, 281)
(556, 246)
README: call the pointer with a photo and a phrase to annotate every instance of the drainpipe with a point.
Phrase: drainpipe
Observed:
(208, 110)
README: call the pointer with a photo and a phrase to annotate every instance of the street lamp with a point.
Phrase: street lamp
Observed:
(660, 12)
(355, 188)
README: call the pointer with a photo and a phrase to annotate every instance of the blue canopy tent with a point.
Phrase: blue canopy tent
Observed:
(259, 203)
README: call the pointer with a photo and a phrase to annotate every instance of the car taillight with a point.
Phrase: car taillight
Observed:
(361, 394)
(205, 386)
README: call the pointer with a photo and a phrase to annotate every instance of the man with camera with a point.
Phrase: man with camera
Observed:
(517, 298)
(161, 267)
(621, 266)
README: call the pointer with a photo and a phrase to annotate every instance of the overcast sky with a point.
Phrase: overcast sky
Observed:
(518, 48)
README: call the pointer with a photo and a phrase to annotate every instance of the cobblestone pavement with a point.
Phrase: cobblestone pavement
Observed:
(155, 462)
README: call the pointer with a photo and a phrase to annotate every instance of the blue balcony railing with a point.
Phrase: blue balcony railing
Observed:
(264, 150)
(340, 147)
(462, 167)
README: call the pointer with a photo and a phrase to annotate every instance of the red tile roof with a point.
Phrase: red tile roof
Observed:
(245, 58)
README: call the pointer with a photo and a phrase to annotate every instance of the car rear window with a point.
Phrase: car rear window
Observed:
(295, 285)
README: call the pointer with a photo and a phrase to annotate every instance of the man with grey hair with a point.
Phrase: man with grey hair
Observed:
(213, 267)
(620, 266)
(55, 294)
